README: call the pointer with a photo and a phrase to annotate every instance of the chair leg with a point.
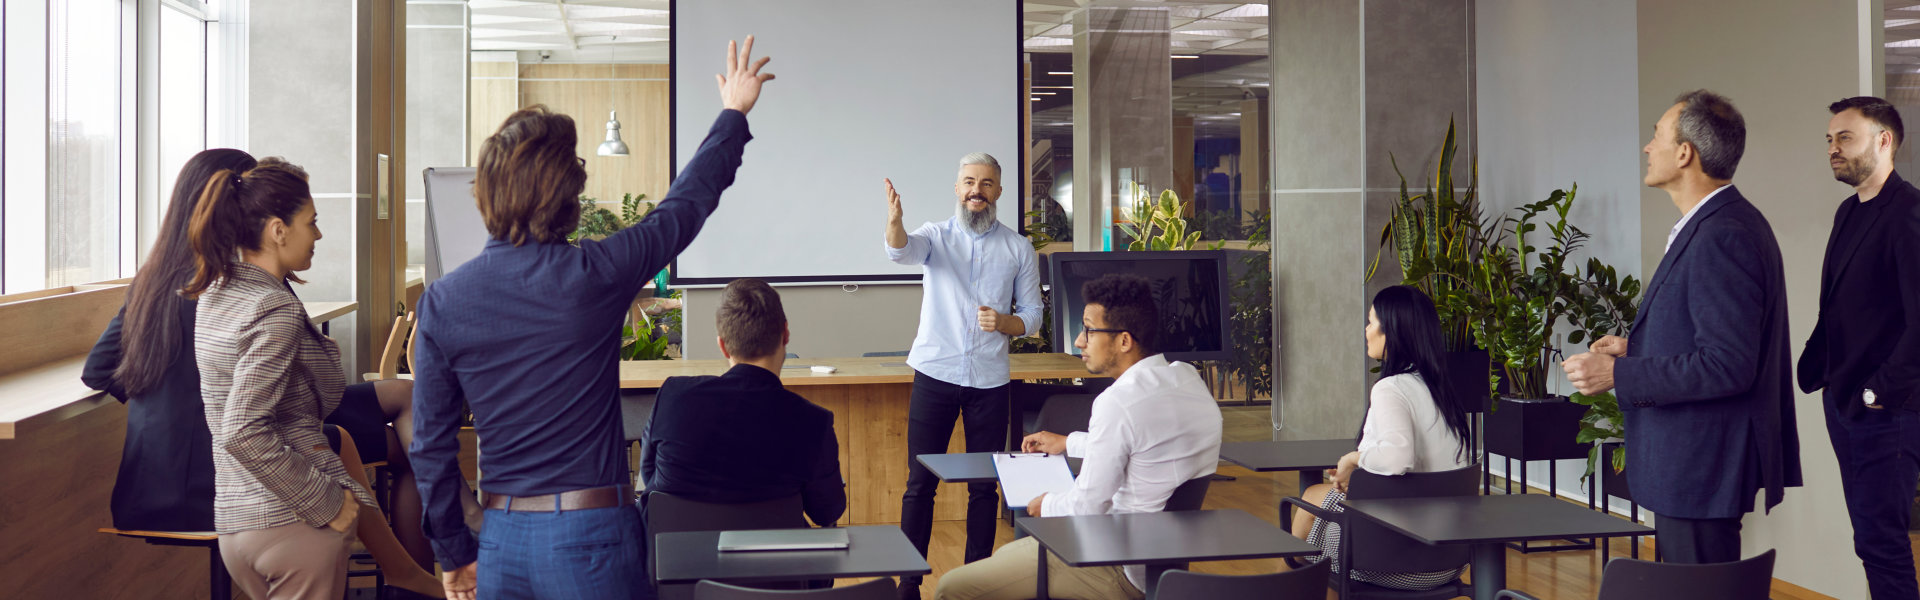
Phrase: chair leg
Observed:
(219, 581)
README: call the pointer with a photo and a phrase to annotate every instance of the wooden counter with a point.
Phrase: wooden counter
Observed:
(869, 398)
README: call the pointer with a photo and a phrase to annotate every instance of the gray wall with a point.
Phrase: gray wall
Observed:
(826, 321)
(1781, 62)
(1558, 85)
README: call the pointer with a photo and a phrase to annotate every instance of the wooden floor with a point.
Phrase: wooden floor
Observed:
(1566, 575)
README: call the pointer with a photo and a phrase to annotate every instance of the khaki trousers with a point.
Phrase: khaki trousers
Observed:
(1012, 574)
(289, 562)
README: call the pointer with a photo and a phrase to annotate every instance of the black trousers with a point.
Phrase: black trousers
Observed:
(930, 417)
(1697, 541)
(1879, 454)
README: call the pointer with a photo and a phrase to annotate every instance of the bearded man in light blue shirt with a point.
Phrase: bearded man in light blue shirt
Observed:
(981, 289)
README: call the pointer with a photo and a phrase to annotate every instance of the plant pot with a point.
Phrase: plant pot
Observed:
(1612, 483)
(1536, 429)
(1467, 373)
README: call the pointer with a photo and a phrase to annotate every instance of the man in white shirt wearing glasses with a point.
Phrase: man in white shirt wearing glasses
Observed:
(1157, 427)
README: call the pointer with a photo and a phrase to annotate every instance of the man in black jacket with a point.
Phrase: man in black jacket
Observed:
(742, 437)
(1865, 350)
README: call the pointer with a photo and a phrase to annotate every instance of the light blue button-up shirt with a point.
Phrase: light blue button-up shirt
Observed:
(963, 272)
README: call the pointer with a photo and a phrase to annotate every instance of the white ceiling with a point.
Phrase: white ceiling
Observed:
(573, 30)
(1199, 27)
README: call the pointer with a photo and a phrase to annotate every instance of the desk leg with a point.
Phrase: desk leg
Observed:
(1153, 579)
(1040, 579)
(1489, 570)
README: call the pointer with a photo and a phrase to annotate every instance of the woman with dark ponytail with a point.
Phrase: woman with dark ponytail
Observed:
(145, 358)
(1414, 422)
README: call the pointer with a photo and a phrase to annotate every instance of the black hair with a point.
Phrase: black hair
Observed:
(1881, 112)
(1412, 328)
(1128, 301)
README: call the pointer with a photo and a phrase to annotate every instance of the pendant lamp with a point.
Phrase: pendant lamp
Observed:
(612, 146)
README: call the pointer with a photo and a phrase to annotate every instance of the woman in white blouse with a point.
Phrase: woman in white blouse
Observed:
(1414, 423)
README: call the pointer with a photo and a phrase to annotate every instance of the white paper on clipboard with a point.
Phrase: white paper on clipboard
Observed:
(1025, 476)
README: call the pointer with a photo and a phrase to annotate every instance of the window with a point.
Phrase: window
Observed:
(183, 97)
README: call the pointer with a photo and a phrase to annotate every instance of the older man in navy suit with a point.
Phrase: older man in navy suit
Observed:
(1705, 378)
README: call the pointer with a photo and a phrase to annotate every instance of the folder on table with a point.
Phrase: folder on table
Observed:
(830, 538)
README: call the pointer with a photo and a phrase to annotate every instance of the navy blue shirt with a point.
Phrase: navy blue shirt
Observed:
(528, 337)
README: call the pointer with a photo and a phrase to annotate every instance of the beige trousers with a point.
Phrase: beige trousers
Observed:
(1012, 574)
(289, 562)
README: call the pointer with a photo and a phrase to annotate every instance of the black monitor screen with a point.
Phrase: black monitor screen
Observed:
(1189, 289)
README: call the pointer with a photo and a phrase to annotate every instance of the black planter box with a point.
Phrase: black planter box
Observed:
(1467, 374)
(1536, 429)
(1612, 483)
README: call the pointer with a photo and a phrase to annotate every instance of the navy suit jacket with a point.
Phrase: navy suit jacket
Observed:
(1706, 384)
(1869, 297)
(742, 437)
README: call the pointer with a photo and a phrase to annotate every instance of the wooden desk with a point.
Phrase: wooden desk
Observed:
(321, 313)
(868, 397)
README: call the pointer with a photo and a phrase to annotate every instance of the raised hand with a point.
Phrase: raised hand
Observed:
(893, 203)
(740, 86)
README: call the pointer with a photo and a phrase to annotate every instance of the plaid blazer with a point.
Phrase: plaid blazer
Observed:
(267, 377)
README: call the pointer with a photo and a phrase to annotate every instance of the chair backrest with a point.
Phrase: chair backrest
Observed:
(878, 589)
(879, 354)
(1629, 579)
(1302, 583)
(1376, 548)
(636, 410)
(390, 355)
(1065, 413)
(1190, 495)
(667, 513)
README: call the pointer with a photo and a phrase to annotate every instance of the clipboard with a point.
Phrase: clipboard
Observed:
(1026, 476)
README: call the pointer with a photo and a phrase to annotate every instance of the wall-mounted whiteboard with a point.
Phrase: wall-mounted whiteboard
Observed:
(867, 89)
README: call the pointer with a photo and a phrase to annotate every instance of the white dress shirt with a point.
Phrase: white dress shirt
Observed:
(1689, 216)
(965, 271)
(1156, 428)
(1404, 431)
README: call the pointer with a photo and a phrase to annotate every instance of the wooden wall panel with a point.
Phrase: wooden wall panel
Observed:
(495, 93)
(55, 485)
(584, 92)
(877, 458)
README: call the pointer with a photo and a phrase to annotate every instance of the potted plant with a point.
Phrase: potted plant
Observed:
(1603, 304)
(646, 337)
(1437, 238)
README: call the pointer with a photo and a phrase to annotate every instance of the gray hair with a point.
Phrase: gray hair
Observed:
(980, 158)
(1716, 130)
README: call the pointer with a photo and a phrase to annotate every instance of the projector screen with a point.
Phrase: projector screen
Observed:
(867, 89)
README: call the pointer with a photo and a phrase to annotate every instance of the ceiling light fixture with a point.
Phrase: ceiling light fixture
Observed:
(613, 146)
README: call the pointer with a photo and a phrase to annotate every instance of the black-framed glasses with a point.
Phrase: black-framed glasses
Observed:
(1098, 330)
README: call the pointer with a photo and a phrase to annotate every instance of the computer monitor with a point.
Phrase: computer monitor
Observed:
(1189, 289)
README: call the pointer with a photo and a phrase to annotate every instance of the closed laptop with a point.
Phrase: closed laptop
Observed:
(783, 539)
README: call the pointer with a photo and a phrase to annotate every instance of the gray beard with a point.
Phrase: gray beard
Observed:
(979, 223)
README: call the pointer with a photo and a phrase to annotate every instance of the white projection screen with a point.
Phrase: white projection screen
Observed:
(866, 89)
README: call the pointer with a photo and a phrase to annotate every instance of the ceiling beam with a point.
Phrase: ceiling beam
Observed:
(566, 23)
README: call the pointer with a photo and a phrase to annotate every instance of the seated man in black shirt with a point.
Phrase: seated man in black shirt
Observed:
(741, 437)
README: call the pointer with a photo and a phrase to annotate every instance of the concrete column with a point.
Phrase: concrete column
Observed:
(1122, 112)
(436, 107)
(323, 83)
(1354, 82)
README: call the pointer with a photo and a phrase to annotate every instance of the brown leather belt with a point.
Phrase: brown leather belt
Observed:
(602, 497)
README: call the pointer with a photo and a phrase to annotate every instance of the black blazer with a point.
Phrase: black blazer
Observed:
(1869, 291)
(165, 481)
(1706, 384)
(742, 437)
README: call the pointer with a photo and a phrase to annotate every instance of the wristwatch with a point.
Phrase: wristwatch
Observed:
(1866, 397)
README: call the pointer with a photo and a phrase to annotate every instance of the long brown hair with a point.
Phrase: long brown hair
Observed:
(233, 207)
(150, 326)
(528, 181)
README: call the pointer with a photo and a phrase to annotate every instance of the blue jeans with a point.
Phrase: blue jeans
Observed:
(1879, 454)
(594, 554)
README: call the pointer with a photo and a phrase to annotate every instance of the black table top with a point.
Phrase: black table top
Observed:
(970, 466)
(1294, 455)
(1484, 519)
(872, 551)
(1163, 537)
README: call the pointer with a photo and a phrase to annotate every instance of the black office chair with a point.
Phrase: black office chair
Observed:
(1629, 579)
(878, 589)
(636, 410)
(881, 354)
(1190, 495)
(1064, 414)
(667, 513)
(1305, 582)
(1368, 546)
